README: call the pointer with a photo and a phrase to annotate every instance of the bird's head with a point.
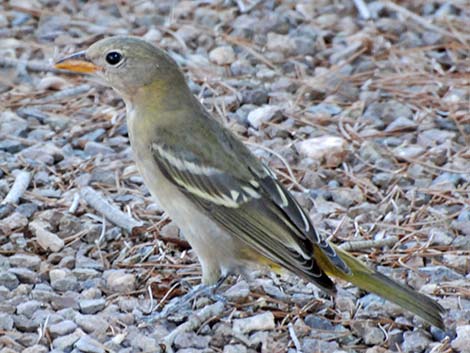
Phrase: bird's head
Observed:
(127, 64)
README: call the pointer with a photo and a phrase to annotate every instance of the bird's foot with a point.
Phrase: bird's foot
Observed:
(179, 303)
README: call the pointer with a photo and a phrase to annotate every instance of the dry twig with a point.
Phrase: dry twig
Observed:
(30, 65)
(362, 9)
(19, 187)
(111, 212)
(407, 14)
(367, 244)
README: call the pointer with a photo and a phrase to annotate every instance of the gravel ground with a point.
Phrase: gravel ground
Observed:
(366, 121)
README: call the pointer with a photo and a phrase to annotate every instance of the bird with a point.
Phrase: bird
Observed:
(232, 209)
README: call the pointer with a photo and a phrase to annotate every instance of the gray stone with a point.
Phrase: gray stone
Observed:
(22, 323)
(103, 176)
(37, 348)
(384, 113)
(24, 275)
(91, 293)
(273, 291)
(330, 149)
(25, 260)
(28, 308)
(433, 137)
(92, 323)
(47, 153)
(241, 67)
(14, 221)
(46, 239)
(93, 148)
(462, 342)
(400, 124)
(67, 300)
(62, 328)
(119, 281)
(439, 274)
(41, 178)
(82, 274)
(255, 96)
(260, 322)
(11, 146)
(440, 237)
(27, 339)
(223, 55)
(415, 341)
(235, 348)
(318, 345)
(408, 152)
(42, 292)
(69, 224)
(63, 280)
(94, 135)
(91, 306)
(382, 179)
(280, 43)
(66, 342)
(128, 304)
(8, 280)
(325, 109)
(12, 124)
(190, 339)
(263, 114)
(318, 323)
(67, 262)
(447, 180)
(145, 344)
(373, 336)
(459, 262)
(27, 209)
(6, 322)
(89, 345)
(347, 197)
(238, 292)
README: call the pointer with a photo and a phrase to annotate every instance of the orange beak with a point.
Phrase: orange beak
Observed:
(77, 62)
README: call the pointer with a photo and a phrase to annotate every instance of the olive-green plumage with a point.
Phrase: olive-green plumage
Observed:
(230, 207)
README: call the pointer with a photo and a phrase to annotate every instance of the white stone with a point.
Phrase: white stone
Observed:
(260, 322)
(222, 55)
(262, 114)
(462, 342)
(331, 149)
(46, 239)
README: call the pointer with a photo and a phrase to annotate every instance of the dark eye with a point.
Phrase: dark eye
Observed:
(113, 58)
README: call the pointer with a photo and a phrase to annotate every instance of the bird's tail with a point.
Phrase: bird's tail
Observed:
(375, 282)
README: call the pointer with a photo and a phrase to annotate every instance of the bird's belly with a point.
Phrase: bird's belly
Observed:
(217, 250)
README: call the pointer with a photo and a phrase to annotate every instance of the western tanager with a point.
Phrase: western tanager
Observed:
(229, 205)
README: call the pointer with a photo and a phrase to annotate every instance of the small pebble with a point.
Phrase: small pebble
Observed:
(222, 55)
(191, 340)
(62, 328)
(263, 114)
(91, 306)
(331, 149)
(65, 343)
(120, 281)
(89, 345)
(415, 341)
(260, 322)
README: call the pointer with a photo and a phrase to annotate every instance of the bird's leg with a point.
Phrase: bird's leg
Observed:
(201, 290)
(205, 290)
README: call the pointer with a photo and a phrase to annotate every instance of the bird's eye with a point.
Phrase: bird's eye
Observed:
(113, 58)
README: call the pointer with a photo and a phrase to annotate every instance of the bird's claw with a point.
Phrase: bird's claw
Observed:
(177, 304)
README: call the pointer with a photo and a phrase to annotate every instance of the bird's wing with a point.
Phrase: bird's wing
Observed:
(251, 205)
